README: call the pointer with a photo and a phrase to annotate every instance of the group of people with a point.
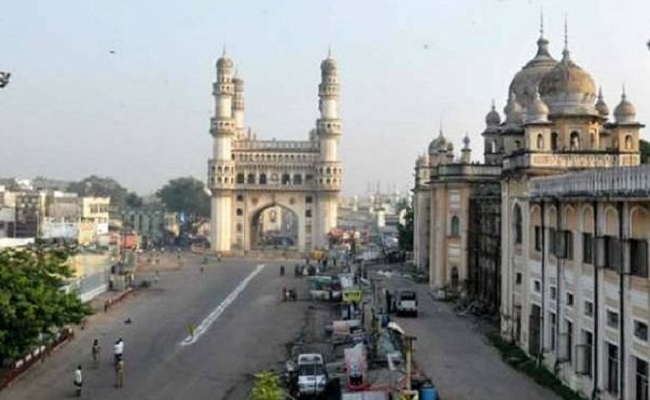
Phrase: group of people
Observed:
(118, 364)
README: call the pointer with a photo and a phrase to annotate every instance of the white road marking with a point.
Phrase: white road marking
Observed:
(216, 313)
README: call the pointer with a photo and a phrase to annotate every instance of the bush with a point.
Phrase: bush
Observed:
(266, 387)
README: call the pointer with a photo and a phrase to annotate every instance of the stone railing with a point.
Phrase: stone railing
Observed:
(620, 182)
(275, 145)
(468, 170)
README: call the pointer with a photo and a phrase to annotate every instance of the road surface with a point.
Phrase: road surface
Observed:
(232, 340)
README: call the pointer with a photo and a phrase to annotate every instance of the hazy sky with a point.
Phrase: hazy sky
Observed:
(141, 114)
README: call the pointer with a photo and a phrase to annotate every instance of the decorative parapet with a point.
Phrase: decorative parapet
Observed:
(284, 145)
(603, 182)
(468, 170)
(570, 160)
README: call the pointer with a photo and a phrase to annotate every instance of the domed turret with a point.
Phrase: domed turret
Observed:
(537, 111)
(438, 143)
(492, 118)
(525, 82)
(513, 110)
(568, 89)
(625, 112)
(328, 65)
(224, 61)
(601, 106)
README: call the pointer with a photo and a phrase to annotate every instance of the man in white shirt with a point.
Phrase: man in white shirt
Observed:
(78, 380)
(119, 349)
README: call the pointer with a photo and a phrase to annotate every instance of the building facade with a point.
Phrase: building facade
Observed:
(247, 176)
(569, 223)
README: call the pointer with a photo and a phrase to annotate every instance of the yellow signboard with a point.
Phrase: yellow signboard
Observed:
(352, 296)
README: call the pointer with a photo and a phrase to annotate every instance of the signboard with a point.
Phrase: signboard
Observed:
(352, 296)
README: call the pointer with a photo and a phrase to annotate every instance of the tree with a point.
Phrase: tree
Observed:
(405, 232)
(266, 387)
(132, 200)
(101, 187)
(644, 149)
(186, 196)
(31, 300)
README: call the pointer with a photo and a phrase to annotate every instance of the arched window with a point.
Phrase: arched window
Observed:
(574, 141)
(593, 141)
(297, 179)
(251, 179)
(554, 141)
(493, 146)
(540, 141)
(628, 142)
(518, 224)
(240, 212)
(455, 226)
(262, 179)
(240, 178)
(219, 169)
(286, 179)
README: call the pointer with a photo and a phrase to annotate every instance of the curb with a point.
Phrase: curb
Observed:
(116, 299)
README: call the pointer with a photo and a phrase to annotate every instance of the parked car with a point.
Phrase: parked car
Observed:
(312, 376)
(407, 303)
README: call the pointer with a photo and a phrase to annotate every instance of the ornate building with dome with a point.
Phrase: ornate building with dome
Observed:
(248, 176)
(573, 227)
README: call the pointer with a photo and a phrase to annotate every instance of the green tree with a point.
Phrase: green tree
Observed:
(101, 187)
(31, 300)
(187, 196)
(266, 387)
(132, 200)
(644, 149)
(405, 231)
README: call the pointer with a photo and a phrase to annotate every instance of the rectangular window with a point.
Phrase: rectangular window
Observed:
(552, 327)
(569, 299)
(538, 238)
(639, 258)
(585, 364)
(308, 199)
(612, 319)
(641, 380)
(612, 252)
(552, 241)
(553, 292)
(641, 330)
(589, 309)
(612, 369)
(587, 248)
(569, 342)
(308, 213)
(537, 285)
(518, 278)
(567, 245)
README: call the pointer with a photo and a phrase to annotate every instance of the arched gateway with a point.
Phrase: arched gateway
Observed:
(296, 183)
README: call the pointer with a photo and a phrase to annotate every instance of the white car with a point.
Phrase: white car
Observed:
(312, 376)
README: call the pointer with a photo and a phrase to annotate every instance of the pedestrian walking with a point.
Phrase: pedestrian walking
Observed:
(106, 306)
(78, 381)
(118, 350)
(95, 352)
(119, 374)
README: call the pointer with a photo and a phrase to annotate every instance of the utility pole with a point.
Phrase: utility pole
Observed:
(408, 346)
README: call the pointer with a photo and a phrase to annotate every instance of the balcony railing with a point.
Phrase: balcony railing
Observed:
(282, 145)
(618, 181)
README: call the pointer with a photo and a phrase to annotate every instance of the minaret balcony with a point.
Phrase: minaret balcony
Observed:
(325, 89)
(329, 126)
(219, 89)
(222, 126)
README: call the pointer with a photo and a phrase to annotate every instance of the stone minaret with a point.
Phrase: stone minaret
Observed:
(328, 130)
(238, 107)
(221, 167)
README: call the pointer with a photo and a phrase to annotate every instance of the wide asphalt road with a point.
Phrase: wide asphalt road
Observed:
(249, 335)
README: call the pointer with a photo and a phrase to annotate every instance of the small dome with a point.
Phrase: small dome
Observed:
(450, 146)
(328, 65)
(525, 81)
(601, 106)
(492, 118)
(513, 110)
(537, 111)
(437, 144)
(625, 112)
(568, 89)
(224, 62)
